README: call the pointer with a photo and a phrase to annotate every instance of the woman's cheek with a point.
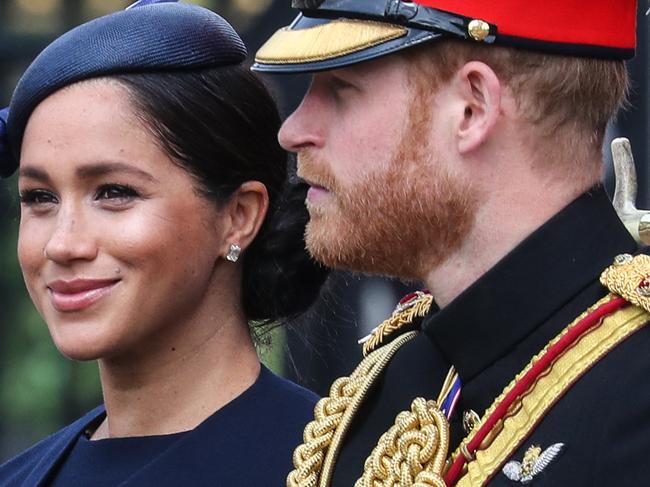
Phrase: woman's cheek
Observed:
(137, 238)
(30, 251)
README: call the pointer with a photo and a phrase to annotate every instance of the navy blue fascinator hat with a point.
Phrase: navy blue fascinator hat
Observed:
(150, 35)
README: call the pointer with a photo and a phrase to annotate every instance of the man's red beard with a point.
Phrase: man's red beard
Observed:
(402, 222)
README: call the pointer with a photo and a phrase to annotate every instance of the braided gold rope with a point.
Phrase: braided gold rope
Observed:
(412, 452)
(629, 277)
(313, 460)
(309, 457)
(417, 308)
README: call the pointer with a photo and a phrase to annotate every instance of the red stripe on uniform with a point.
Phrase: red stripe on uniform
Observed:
(530, 377)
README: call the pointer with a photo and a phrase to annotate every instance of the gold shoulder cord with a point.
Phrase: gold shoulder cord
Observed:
(412, 452)
(314, 459)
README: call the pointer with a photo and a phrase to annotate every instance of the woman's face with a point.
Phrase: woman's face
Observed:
(115, 244)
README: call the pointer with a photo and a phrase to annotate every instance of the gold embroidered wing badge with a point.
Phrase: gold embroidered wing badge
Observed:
(534, 462)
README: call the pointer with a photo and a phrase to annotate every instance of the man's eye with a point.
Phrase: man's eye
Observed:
(34, 197)
(116, 192)
(339, 86)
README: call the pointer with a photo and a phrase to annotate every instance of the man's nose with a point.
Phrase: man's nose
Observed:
(304, 128)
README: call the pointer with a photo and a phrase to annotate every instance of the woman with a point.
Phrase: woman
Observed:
(153, 230)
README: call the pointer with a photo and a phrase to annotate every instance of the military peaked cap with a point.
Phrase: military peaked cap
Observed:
(329, 34)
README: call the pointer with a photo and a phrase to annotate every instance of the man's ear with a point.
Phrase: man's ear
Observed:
(245, 212)
(480, 91)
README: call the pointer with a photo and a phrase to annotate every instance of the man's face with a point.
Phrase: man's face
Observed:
(381, 200)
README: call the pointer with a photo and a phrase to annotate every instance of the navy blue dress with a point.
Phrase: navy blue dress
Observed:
(248, 442)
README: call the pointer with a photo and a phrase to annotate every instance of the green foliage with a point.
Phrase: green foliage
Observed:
(271, 350)
(40, 390)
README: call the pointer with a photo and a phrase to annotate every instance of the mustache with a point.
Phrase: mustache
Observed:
(314, 170)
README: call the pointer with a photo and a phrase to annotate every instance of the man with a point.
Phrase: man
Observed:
(458, 142)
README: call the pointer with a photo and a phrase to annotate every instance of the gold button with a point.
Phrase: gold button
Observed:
(478, 30)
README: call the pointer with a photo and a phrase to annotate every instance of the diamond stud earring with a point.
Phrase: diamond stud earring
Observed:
(233, 253)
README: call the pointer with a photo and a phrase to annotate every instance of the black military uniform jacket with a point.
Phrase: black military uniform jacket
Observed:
(491, 332)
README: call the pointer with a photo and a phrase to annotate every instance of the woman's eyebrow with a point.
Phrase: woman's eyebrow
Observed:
(88, 171)
(109, 167)
(32, 172)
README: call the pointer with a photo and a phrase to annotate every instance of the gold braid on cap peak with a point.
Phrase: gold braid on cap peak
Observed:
(327, 41)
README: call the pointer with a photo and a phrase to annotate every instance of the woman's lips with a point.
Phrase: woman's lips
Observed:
(79, 294)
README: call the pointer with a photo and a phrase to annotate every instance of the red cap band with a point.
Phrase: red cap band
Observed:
(604, 23)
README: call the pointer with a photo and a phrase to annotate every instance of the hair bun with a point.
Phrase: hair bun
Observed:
(281, 279)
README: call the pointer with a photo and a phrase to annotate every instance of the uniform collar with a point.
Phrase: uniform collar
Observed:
(520, 292)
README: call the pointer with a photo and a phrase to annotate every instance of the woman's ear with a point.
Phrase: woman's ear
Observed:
(480, 91)
(244, 215)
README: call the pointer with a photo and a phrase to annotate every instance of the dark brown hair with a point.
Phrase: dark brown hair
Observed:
(221, 125)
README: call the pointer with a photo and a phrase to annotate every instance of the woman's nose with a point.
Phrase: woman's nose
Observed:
(71, 239)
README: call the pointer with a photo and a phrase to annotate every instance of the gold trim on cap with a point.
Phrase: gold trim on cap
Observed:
(326, 41)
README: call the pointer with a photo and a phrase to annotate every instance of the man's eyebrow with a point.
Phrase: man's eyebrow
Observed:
(109, 167)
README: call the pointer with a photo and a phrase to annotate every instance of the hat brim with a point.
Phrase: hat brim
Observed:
(311, 44)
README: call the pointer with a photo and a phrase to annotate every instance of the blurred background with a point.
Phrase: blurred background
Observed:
(40, 391)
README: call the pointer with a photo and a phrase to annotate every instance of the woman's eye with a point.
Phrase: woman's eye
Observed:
(35, 197)
(116, 193)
